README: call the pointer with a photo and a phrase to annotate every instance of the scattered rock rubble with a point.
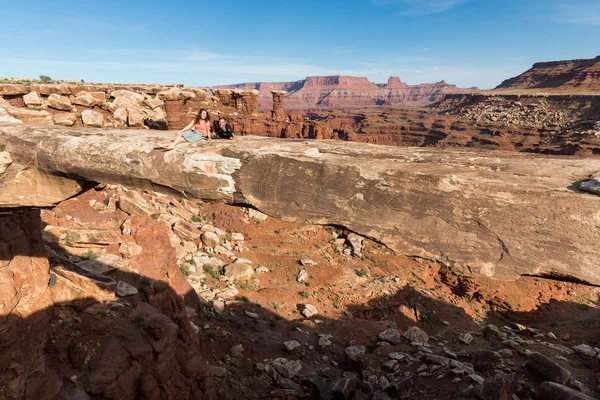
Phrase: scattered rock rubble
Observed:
(493, 362)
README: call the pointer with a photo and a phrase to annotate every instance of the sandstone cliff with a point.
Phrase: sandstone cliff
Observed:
(581, 75)
(347, 92)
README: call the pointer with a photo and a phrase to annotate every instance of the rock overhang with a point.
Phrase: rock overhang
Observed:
(498, 214)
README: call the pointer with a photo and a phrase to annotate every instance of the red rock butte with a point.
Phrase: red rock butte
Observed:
(338, 92)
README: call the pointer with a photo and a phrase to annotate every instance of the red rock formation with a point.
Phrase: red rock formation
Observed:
(24, 308)
(395, 82)
(245, 100)
(278, 112)
(581, 75)
(337, 91)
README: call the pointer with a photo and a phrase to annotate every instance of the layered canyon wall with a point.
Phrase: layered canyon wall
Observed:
(335, 92)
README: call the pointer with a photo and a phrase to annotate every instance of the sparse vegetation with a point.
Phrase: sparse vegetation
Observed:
(246, 286)
(185, 269)
(196, 218)
(274, 306)
(89, 255)
(210, 270)
(139, 320)
(45, 79)
(361, 273)
(305, 294)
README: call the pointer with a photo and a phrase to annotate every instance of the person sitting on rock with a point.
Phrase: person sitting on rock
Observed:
(223, 129)
(198, 129)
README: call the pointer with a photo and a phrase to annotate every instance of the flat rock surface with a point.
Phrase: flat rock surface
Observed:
(497, 214)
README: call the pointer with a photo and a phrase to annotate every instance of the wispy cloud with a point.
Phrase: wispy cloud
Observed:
(582, 13)
(421, 7)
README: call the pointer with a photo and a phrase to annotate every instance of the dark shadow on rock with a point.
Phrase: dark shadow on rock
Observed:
(60, 345)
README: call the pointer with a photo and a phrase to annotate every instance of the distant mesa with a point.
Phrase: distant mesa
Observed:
(339, 91)
(579, 76)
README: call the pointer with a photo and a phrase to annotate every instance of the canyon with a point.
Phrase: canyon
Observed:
(340, 92)
(366, 252)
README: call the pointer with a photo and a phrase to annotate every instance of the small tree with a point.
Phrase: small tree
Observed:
(45, 79)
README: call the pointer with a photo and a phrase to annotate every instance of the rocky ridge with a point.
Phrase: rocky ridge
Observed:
(338, 92)
(575, 76)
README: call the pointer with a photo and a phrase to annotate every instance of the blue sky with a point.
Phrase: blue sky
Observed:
(203, 43)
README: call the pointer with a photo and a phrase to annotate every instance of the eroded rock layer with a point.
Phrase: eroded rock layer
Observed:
(581, 75)
(498, 214)
(335, 92)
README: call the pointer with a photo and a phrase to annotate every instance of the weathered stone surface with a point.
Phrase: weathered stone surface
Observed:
(154, 102)
(416, 334)
(6, 118)
(137, 205)
(32, 99)
(24, 303)
(547, 368)
(30, 116)
(417, 201)
(210, 239)
(5, 161)
(186, 231)
(59, 102)
(135, 117)
(124, 289)
(87, 99)
(121, 115)
(84, 237)
(555, 391)
(92, 118)
(65, 119)
(239, 272)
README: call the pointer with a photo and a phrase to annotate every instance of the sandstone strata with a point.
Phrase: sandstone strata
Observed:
(581, 75)
(335, 92)
(490, 212)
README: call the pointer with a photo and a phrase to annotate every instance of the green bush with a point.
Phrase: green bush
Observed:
(185, 269)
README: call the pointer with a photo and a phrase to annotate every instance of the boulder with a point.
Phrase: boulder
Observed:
(86, 99)
(124, 289)
(210, 239)
(154, 102)
(82, 237)
(32, 99)
(547, 368)
(390, 335)
(121, 115)
(239, 272)
(59, 102)
(555, 391)
(186, 231)
(65, 119)
(92, 118)
(416, 334)
(30, 116)
(135, 117)
(175, 94)
(6, 118)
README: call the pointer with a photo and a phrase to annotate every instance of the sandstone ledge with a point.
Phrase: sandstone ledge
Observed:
(498, 214)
